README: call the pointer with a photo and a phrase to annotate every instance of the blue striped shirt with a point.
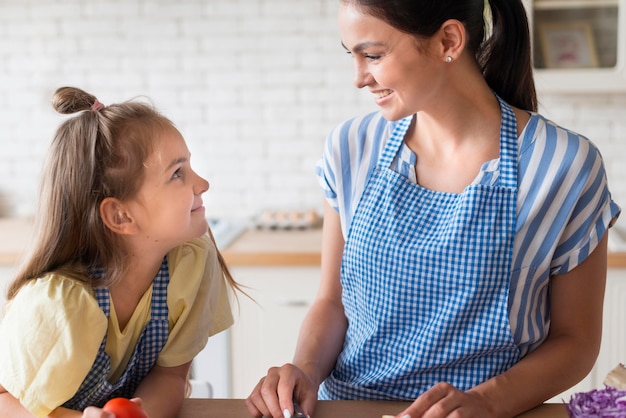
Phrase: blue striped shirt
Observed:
(563, 206)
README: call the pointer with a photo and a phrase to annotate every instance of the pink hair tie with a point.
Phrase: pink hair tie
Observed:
(97, 106)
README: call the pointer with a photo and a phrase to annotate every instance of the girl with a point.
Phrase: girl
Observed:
(465, 236)
(124, 284)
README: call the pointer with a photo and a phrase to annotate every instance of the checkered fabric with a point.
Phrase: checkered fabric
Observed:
(96, 389)
(425, 279)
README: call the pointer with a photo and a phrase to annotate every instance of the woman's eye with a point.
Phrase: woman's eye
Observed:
(177, 174)
(372, 57)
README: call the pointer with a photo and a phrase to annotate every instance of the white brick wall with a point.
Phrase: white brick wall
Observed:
(254, 86)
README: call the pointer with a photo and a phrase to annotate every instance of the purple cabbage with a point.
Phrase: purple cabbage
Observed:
(598, 403)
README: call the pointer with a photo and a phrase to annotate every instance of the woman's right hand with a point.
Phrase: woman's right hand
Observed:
(275, 393)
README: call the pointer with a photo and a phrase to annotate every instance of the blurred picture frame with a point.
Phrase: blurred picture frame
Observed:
(568, 44)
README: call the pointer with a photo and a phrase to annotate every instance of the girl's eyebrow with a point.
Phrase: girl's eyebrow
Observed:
(175, 162)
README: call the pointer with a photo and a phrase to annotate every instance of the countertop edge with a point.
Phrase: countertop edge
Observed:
(253, 248)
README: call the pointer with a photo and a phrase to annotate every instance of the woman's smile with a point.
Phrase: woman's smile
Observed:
(381, 97)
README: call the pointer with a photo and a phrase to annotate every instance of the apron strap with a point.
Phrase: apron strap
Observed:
(508, 145)
(395, 141)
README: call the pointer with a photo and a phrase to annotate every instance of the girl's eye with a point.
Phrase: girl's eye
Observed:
(177, 174)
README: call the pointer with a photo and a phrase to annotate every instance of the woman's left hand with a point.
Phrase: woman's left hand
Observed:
(444, 400)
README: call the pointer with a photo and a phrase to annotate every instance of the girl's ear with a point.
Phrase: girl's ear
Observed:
(452, 37)
(116, 217)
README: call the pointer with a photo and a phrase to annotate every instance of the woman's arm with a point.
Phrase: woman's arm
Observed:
(320, 339)
(162, 391)
(563, 359)
(324, 328)
(571, 347)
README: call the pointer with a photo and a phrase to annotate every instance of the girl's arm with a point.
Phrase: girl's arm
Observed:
(320, 339)
(10, 407)
(563, 359)
(162, 391)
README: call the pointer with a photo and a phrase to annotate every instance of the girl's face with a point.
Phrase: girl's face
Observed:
(388, 62)
(168, 206)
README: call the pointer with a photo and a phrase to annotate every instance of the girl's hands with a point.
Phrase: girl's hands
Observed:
(444, 400)
(117, 408)
(95, 412)
(275, 393)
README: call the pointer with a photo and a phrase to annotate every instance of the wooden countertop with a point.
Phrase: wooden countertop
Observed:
(235, 408)
(255, 247)
(260, 247)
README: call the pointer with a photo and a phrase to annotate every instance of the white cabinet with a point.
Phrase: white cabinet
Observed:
(266, 330)
(578, 45)
(613, 348)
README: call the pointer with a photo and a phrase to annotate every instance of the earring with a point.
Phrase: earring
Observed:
(448, 58)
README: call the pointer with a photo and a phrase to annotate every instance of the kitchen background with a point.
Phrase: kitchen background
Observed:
(254, 86)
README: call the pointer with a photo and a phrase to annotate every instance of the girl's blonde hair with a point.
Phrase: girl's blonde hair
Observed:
(98, 153)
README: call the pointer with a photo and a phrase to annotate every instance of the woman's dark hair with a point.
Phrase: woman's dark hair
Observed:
(504, 57)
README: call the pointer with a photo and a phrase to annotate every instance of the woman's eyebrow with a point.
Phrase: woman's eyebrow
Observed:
(363, 45)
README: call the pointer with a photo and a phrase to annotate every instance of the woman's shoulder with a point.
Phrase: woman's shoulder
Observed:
(557, 161)
(361, 127)
(544, 134)
(356, 141)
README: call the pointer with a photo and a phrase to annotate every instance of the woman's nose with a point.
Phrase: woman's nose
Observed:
(362, 76)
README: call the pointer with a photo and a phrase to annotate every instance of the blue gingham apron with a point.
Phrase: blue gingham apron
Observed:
(425, 278)
(96, 389)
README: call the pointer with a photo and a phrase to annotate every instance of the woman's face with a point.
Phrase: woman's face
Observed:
(400, 74)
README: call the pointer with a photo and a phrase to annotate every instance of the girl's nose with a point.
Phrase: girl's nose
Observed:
(202, 185)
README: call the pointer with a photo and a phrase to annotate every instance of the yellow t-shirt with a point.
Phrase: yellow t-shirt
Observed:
(52, 329)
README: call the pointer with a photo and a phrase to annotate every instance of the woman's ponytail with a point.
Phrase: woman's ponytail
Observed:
(505, 57)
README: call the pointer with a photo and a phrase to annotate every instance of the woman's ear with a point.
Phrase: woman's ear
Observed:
(116, 216)
(452, 37)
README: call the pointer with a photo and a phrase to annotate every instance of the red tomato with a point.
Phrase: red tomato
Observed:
(124, 408)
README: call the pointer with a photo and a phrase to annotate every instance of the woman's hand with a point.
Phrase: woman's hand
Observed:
(275, 393)
(444, 400)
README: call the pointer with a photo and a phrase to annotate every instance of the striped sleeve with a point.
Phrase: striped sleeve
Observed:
(349, 157)
(565, 204)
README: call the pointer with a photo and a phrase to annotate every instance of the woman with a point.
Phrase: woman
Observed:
(464, 243)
